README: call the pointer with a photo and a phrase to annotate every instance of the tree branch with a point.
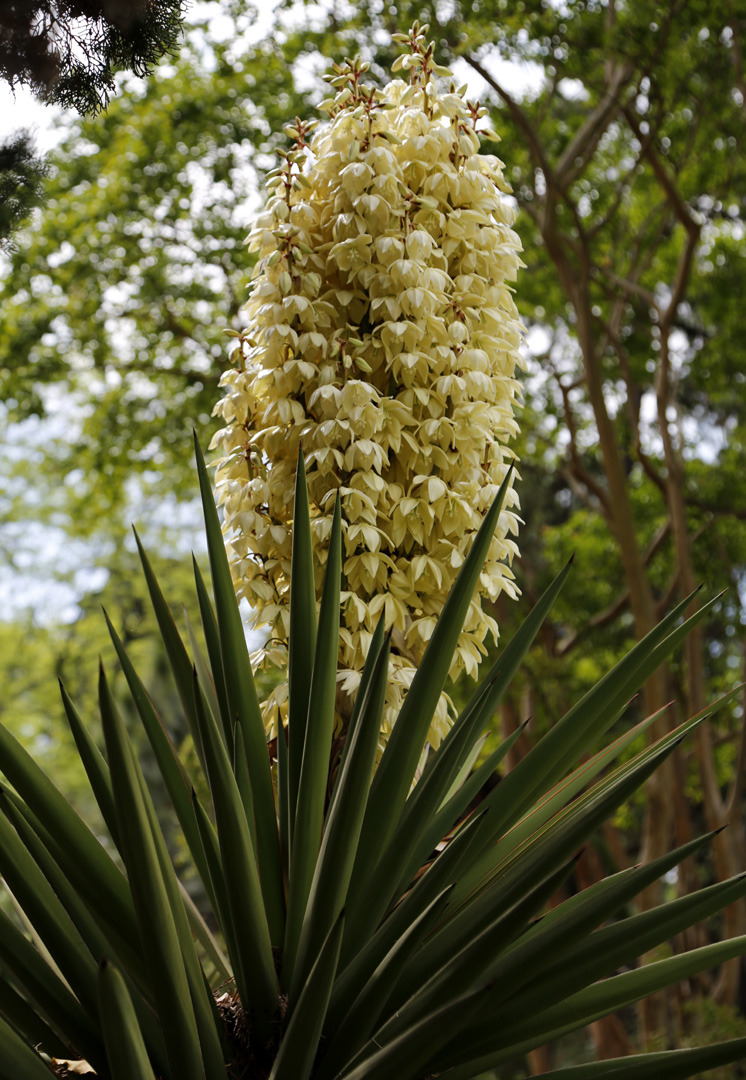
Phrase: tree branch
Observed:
(628, 287)
(585, 140)
(516, 112)
(578, 469)
(682, 211)
(718, 511)
(733, 797)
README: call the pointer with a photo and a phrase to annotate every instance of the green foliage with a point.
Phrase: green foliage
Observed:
(69, 51)
(701, 1021)
(380, 970)
(704, 1021)
(22, 176)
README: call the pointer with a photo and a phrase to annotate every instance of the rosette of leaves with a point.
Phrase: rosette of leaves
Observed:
(380, 332)
(356, 927)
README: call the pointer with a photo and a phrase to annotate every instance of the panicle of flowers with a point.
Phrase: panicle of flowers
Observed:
(382, 336)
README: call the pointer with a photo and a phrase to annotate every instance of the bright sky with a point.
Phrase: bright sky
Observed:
(22, 110)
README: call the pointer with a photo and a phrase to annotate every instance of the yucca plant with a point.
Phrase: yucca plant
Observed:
(337, 944)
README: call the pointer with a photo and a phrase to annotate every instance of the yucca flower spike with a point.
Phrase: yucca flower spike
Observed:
(382, 337)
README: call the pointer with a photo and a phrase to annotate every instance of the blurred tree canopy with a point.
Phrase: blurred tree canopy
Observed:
(624, 142)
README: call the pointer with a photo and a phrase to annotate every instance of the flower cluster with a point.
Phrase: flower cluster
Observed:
(383, 338)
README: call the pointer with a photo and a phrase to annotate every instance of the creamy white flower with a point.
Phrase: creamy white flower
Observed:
(382, 334)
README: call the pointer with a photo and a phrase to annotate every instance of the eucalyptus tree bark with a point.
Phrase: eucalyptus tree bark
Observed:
(614, 501)
(632, 296)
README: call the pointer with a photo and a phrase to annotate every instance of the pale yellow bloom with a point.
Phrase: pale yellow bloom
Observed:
(381, 332)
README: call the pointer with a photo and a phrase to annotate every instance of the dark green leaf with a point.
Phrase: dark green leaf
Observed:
(244, 706)
(128, 1057)
(312, 788)
(302, 638)
(17, 1059)
(396, 771)
(161, 940)
(170, 766)
(342, 830)
(252, 960)
(300, 1042)
(94, 763)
